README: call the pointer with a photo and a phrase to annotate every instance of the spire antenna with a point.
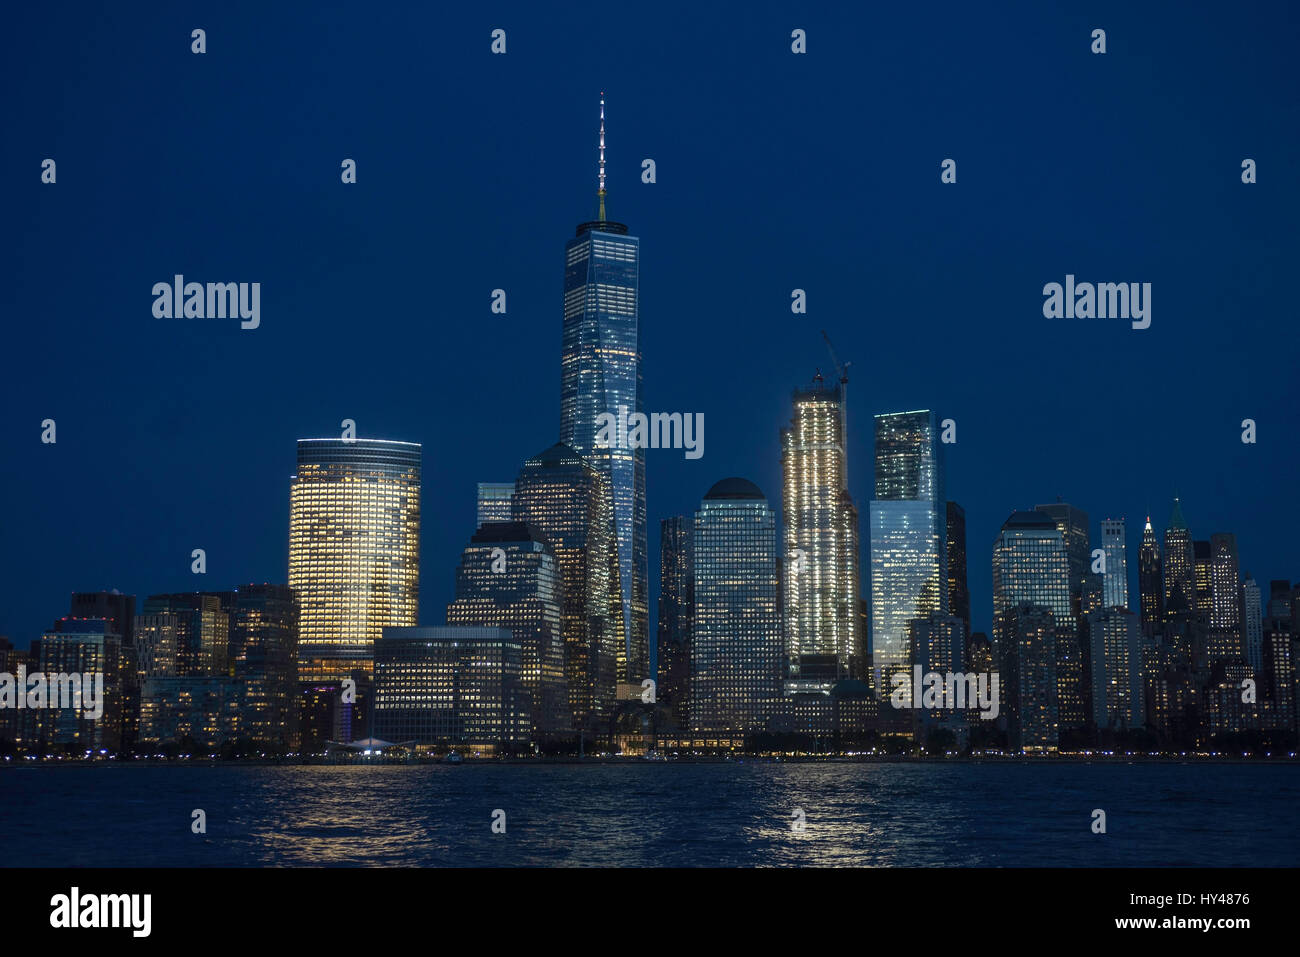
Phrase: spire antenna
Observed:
(601, 169)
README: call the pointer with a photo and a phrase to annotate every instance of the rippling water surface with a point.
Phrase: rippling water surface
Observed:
(656, 814)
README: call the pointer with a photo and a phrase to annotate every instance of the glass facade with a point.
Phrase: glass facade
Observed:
(1032, 616)
(958, 589)
(494, 502)
(821, 580)
(263, 656)
(1180, 565)
(1114, 583)
(909, 537)
(202, 630)
(1117, 696)
(676, 613)
(737, 656)
(447, 687)
(566, 499)
(600, 373)
(354, 549)
(509, 578)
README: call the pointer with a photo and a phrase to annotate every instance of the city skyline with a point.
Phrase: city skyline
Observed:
(161, 514)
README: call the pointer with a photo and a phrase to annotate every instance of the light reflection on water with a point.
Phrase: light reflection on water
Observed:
(661, 815)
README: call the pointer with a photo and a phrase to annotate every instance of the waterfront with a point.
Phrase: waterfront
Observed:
(650, 814)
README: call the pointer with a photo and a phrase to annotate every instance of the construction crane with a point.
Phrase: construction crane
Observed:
(842, 369)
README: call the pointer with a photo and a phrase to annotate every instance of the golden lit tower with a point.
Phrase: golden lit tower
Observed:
(822, 622)
(354, 549)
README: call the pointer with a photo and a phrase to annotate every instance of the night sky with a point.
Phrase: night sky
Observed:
(775, 171)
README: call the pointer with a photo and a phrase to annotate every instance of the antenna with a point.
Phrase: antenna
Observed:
(600, 176)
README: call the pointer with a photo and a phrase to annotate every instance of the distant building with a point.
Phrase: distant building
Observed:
(202, 630)
(567, 500)
(821, 581)
(676, 614)
(1031, 580)
(205, 709)
(1150, 581)
(1252, 623)
(1027, 638)
(494, 501)
(263, 652)
(354, 549)
(1114, 580)
(81, 646)
(958, 589)
(1117, 696)
(1073, 651)
(1180, 564)
(451, 687)
(909, 539)
(509, 578)
(737, 655)
(1226, 639)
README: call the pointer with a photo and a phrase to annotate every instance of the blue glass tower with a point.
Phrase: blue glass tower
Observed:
(600, 372)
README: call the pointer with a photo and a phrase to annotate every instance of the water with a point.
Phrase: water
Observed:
(653, 814)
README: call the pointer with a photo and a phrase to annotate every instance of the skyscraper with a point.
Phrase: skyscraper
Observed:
(1180, 564)
(1114, 581)
(1073, 652)
(1225, 636)
(509, 578)
(494, 502)
(821, 580)
(1252, 623)
(566, 499)
(202, 630)
(263, 656)
(119, 611)
(909, 537)
(1116, 669)
(676, 612)
(1203, 579)
(1031, 616)
(354, 549)
(450, 687)
(600, 373)
(1150, 581)
(1028, 634)
(81, 646)
(1073, 523)
(736, 650)
(958, 589)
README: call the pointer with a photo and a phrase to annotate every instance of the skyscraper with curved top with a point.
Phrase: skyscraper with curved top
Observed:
(354, 549)
(600, 373)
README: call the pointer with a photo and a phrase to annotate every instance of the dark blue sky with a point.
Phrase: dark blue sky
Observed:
(775, 171)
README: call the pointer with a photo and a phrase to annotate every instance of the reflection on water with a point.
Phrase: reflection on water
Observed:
(661, 815)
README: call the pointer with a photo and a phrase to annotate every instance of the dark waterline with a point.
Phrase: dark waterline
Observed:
(661, 815)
